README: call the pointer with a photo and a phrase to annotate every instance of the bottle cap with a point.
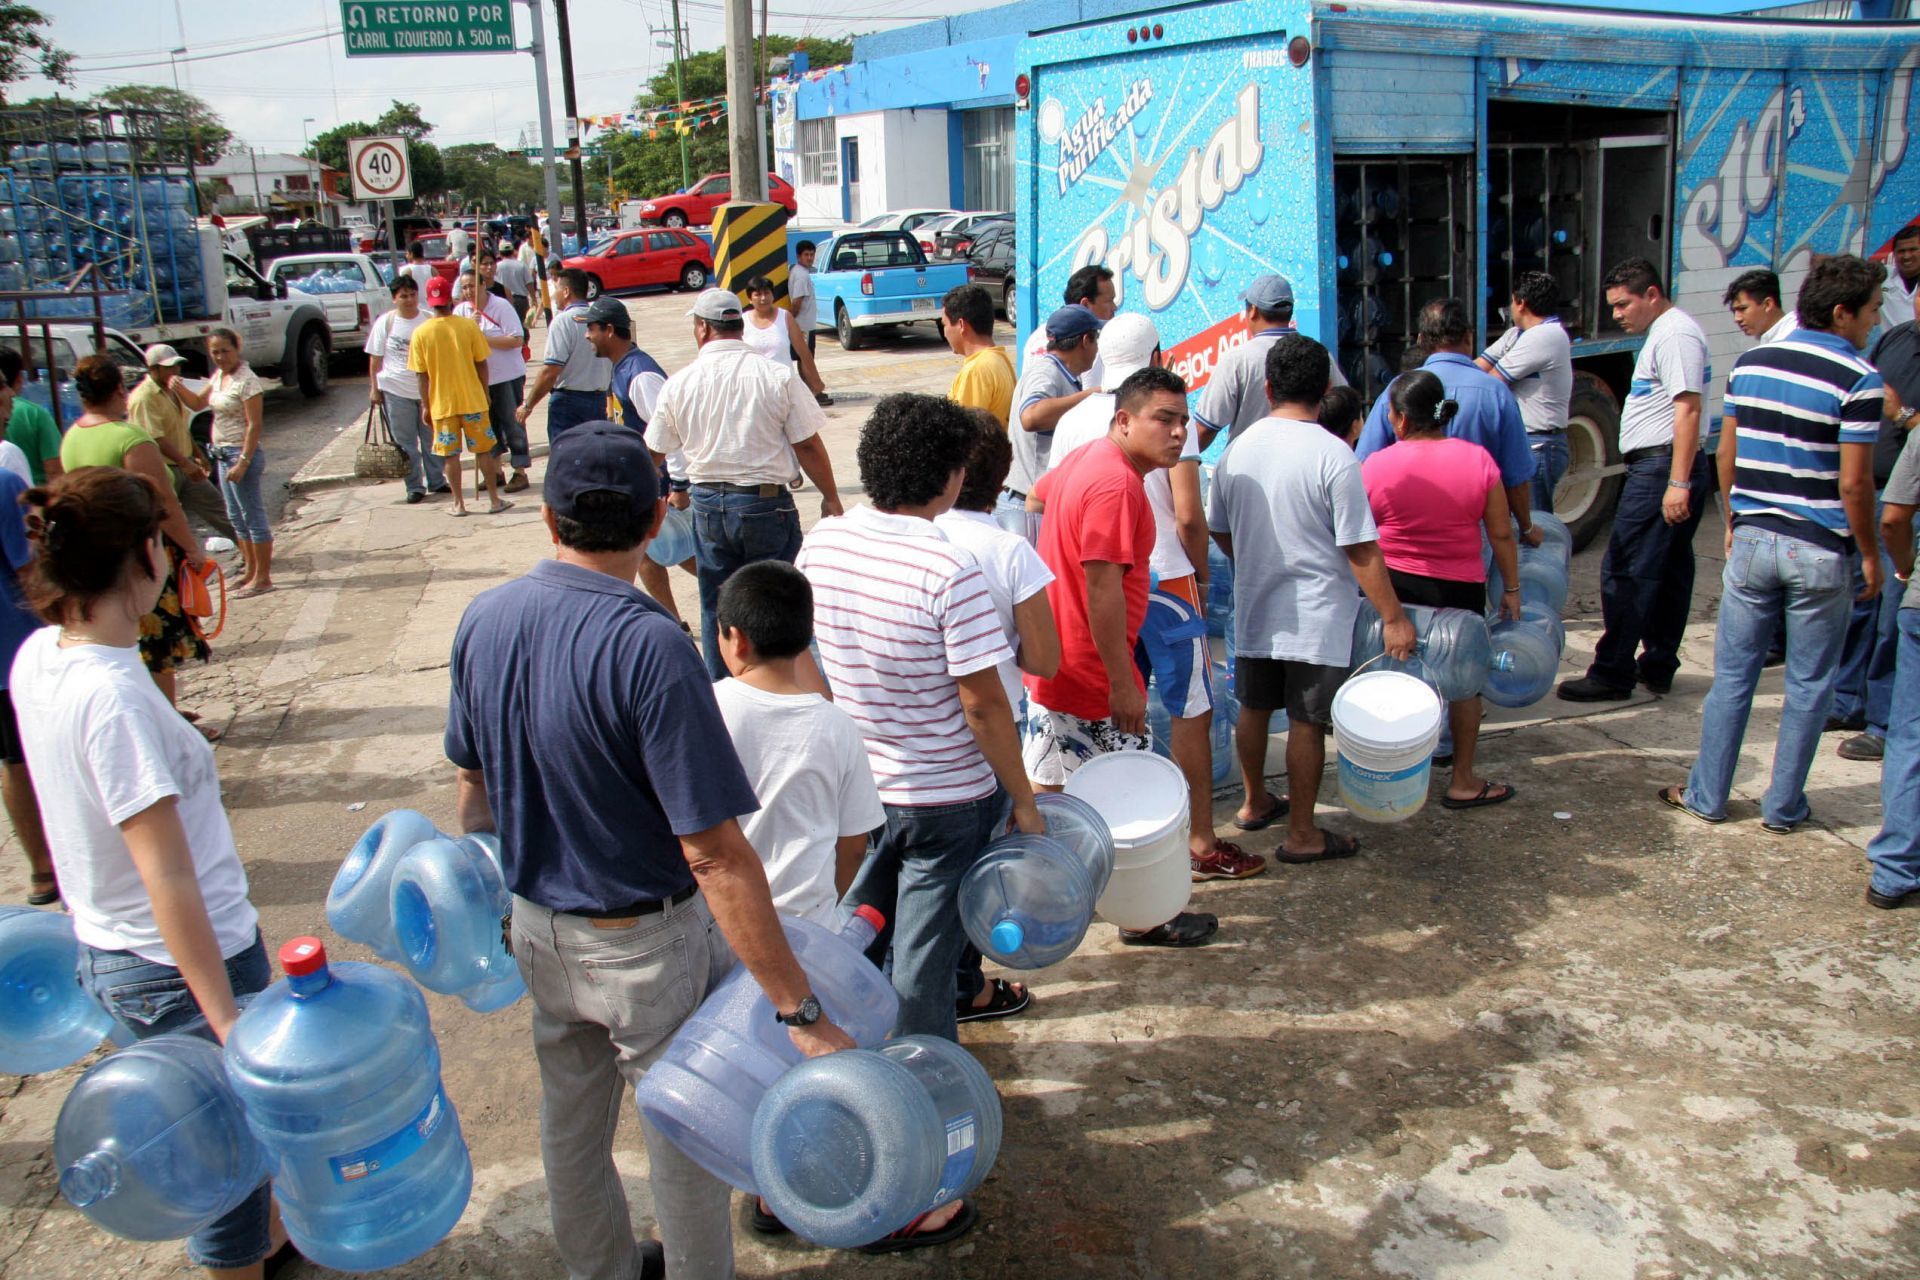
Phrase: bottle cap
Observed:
(1007, 937)
(873, 916)
(301, 956)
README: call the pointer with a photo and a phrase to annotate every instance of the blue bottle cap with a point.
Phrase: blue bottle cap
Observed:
(1008, 937)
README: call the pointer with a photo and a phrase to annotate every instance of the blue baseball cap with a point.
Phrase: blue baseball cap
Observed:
(1071, 322)
(1269, 293)
(600, 457)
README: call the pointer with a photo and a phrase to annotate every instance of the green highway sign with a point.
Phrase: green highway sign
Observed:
(384, 30)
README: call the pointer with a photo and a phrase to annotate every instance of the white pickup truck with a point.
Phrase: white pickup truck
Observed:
(283, 335)
(348, 285)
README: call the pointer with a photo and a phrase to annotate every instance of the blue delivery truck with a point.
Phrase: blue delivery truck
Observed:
(1382, 153)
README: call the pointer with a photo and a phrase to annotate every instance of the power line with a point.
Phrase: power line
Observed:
(208, 57)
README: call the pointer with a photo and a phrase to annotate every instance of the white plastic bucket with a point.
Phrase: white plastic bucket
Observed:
(1143, 798)
(1385, 727)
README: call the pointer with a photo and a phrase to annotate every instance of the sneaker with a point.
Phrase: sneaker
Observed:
(1226, 862)
(412, 498)
(1863, 746)
(218, 544)
(519, 483)
(1588, 689)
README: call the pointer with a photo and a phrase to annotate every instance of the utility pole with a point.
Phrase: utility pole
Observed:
(573, 126)
(762, 103)
(743, 113)
(538, 48)
(680, 93)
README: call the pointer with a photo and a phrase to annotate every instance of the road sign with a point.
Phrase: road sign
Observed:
(385, 30)
(379, 169)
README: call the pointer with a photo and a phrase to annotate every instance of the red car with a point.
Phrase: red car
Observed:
(638, 259)
(439, 255)
(694, 207)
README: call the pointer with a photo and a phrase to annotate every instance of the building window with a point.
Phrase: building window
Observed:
(819, 154)
(987, 172)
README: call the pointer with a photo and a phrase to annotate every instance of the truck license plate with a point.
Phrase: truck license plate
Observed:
(923, 304)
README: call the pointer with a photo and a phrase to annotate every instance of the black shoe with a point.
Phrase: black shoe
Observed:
(1588, 689)
(653, 1260)
(416, 497)
(1775, 657)
(442, 489)
(1659, 687)
(1894, 901)
(1846, 724)
(1863, 746)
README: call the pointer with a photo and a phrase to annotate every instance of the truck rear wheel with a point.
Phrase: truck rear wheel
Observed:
(850, 337)
(310, 361)
(1585, 495)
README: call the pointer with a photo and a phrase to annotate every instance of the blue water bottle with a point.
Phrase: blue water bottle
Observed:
(1452, 651)
(47, 1019)
(448, 899)
(339, 1073)
(1526, 662)
(855, 1145)
(1027, 902)
(674, 543)
(152, 1143)
(360, 903)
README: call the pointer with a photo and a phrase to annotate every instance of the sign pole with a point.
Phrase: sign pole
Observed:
(548, 173)
(573, 126)
(743, 117)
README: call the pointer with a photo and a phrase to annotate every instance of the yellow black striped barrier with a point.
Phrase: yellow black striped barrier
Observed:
(750, 240)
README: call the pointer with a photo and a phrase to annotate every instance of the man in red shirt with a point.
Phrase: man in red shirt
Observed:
(1097, 538)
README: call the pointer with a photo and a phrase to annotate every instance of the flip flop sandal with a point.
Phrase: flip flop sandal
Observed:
(765, 1223)
(504, 506)
(1486, 797)
(458, 512)
(1281, 804)
(1188, 929)
(1004, 1003)
(44, 897)
(908, 1238)
(1338, 846)
(1670, 796)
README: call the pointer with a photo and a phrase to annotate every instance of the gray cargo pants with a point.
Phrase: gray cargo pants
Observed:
(202, 501)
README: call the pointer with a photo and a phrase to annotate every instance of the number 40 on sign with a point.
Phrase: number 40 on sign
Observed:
(379, 169)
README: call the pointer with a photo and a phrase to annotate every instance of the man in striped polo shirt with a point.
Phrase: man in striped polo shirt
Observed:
(1796, 473)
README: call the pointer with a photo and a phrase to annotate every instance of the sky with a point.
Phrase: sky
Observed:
(269, 68)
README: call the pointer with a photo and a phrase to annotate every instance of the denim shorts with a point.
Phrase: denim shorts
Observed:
(150, 999)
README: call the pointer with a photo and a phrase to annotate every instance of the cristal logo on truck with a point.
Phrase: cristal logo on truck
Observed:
(1157, 245)
(1095, 131)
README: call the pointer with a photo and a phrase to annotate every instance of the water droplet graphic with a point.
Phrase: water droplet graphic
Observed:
(1260, 208)
(1212, 262)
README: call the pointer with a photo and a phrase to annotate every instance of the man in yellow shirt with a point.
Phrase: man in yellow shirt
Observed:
(985, 380)
(450, 354)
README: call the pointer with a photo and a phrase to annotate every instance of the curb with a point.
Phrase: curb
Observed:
(310, 478)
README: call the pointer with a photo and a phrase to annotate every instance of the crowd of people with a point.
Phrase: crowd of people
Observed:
(874, 700)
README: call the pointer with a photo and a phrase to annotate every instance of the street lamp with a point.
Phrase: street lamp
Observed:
(306, 144)
(172, 56)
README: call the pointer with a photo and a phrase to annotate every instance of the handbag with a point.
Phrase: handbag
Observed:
(196, 594)
(378, 457)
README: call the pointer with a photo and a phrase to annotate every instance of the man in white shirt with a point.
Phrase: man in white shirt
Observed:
(1235, 396)
(458, 242)
(1903, 276)
(418, 267)
(1091, 289)
(800, 291)
(1535, 359)
(742, 421)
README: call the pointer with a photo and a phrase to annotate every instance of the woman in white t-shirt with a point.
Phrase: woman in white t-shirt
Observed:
(129, 794)
(775, 334)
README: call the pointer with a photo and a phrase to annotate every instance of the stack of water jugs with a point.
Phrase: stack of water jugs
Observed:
(1219, 630)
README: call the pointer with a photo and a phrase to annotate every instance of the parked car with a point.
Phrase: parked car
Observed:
(694, 207)
(868, 278)
(952, 238)
(904, 219)
(662, 257)
(347, 285)
(990, 262)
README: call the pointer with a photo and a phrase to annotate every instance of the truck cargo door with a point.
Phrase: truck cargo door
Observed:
(1634, 192)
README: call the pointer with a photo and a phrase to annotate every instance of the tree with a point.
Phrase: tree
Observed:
(202, 128)
(402, 119)
(25, 49)
(481, 175)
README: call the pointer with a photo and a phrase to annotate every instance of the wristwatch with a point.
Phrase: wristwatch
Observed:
(1680, 484)
(805, 1016)
(1905, 416)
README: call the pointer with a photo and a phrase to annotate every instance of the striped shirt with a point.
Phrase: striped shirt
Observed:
(1794, 403)
(899, 612)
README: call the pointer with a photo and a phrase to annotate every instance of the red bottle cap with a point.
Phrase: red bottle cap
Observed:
(299, 956)
(873, 917)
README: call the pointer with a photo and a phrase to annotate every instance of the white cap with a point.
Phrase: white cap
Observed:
(160, 353)
(716, 304)
(1127, 345)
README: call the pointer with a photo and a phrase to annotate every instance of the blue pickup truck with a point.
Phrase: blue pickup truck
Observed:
(865, 279)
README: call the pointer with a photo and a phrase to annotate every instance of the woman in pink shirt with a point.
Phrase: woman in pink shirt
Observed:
(1431, 496)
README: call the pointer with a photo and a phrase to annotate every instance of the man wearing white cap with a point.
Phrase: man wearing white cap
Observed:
(741, 421)
(156, 408)
(1173, 639)
(1235, 396)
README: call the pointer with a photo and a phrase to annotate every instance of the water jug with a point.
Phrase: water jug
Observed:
(47, 1019)
(360, 903)
(1219, 592)
(1027, 902)
(1554, 533)
(702, 1091)
(448, 899)
(1159, 721)
(1226, 710)
(152, 1143)
(1543, 579)
(1526, 661)
(674, 543)
(1452, 652)
(339, 1073)
(853, 1146)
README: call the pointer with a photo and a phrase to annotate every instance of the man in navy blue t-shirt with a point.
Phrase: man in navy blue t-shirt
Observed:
(586, 733)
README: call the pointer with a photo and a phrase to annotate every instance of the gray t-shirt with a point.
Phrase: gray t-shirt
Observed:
(805, 302)
(1903, 489)
(1537, 364)
(1045, 379)
(567, 346)
(1290, 495)
(1235, 396)
(1673, 362)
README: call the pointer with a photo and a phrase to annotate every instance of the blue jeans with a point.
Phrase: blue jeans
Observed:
(1865, 684)
(732, 530)
(1010, 513)
(1768, 573)
(1895, 852)
(509, 433)
(1646, 579)
(1550, 458)
(412, 433)
(245, 507)
(151, 999)
(567, 409)
(912, 876)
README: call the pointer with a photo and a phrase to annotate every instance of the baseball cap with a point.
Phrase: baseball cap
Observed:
(439, 292)
(1071, 322)
(717, 304)
(1126, 347)
(610, 312)
(160, 353)
(1269, 293)
(600, 457)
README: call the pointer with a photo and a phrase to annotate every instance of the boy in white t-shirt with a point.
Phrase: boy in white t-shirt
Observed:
(804, 756)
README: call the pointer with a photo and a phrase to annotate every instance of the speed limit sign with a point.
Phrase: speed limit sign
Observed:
(379, 169)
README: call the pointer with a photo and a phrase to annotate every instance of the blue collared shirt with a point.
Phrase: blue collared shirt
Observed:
(1489, 416)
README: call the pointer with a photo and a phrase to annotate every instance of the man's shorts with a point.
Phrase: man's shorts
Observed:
(1304, 690)
(1172, 648)
(1057, 744)
(447, 433)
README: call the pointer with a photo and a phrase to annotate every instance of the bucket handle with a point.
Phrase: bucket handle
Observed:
(1415, 658)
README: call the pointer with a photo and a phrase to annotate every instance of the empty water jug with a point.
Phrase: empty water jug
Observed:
(854, 1146)
(339, 1073)
(360, 903)
(702, 1091)
(47, 1019)
(674, 543)
(1226, 710)
(1451, 654)
(1554, 534)
(1543, 580)
(152, 1143)
(1526, 661)
(449, 897)
(1028, 901)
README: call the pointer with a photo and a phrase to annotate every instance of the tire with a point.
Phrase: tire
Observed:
(674, 218)
(693, 276)
(1586, 495)
(593, 287)
(851, 338)
(310, 361)
(1006, 301)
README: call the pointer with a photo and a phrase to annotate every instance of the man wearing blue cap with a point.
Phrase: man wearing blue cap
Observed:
(1235, 396)
(1050, 386)
(615, 791)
